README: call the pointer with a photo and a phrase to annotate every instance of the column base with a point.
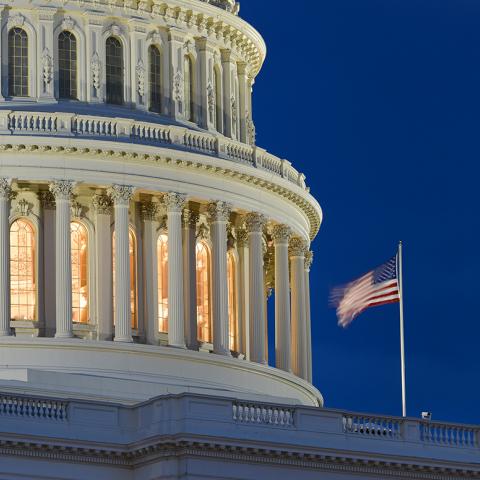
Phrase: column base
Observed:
(182, 347)
(123, 339)
(64, 335)
(6, 333)
(225, 353)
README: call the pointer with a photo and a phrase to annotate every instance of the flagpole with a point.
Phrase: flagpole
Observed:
(402, 334)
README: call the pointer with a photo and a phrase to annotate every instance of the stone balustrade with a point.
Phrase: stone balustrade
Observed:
(30, 407)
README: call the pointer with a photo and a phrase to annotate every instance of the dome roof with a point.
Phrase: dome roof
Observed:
(230, 5)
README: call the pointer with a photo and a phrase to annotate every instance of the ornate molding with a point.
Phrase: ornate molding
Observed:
(149, 211)
(76, 210)
(102, 204)
(219, 211)
(47, 67)
(254, 222)
(174, 202)
(6, 192)
(298, 247)
(23, 207)
(308, 260)
(68, 23)
(190, 218)
(281, 233)
(62, 189)
(96, 70)
(17, 20)
(140, 69)
(47, 200)
(203, 232)
(121, 194)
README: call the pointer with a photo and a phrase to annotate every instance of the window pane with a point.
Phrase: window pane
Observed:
(232, 302)
(79, 242)
(114, 71)
(17, 63)
(67, 65)
(162, 256)
(203, 293)
(155, 79)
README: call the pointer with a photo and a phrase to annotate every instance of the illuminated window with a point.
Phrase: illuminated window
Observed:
(132, 244)
(162, 255)
(218, 98)
(188, 87)
(155, 60)
(17, 63)
(67, 65)
(114, 71)
(23, 288)
(203, 293)
(79, 243)
(232, 302)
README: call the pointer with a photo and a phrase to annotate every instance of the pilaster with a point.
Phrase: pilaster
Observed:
(228, 94)
(176, 39)
(5, 198)
(207, 85)
(45, 53)
(243, 293)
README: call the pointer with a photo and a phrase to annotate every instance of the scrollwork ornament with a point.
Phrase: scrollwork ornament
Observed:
(102, 204)
(121, 194)
(178, 87)
(47, 67)
(68, 23)
(174, 202)
(140, 78)
(24, 208)
(219, 211)
(298, 247)
(62, 189)
(281, 233)
(95, 67)
(255, 222)
(6, 192)
(76, 210)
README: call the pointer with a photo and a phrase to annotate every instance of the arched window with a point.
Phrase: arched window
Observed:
(188, 87)
(17, 63)
(23, 287)
(218, 98)
(132, 245)
(232, 301)
(155, 62)
(162, 256)
(79, 243)
(67, 65)
(203, 292)
(114, 71)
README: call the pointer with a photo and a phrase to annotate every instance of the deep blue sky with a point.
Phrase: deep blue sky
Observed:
(378, 102)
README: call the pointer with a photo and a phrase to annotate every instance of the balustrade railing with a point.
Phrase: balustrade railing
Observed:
(33, 408)
(252, 413)
(372, 426)
(448, 434)
(69, 124)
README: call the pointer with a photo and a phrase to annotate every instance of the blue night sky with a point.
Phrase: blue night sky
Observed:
(378, 103)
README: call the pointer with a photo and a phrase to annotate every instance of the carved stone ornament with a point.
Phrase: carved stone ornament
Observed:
(298, 247)
(96, 67)
(114, 30)
(281, 233)
(190, 218)
(6, 191)
(242, 237)
(47, 67)
(62, 189)
(102, 204)
(68, 23)
(211, 101)
(308, 260)
(233, 102)
(251, 130)
(174, 202)
(203, 232)
(178, 87)
(155, 38)
(76, 210)
(15, 21)
(24, 208)
(121, 194)
(255, 222)
(47, 200)
(140, 78)
(189, 47)
(219, 211)
(149, 211)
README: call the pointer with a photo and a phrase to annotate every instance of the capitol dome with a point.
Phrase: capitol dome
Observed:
(142, 228)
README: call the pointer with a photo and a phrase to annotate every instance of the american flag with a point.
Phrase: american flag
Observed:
(377, 287)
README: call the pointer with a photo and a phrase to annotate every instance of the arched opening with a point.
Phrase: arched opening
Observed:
(155, 79)
(79, 247)
(188, 88)
(162, 257)
(232, 301)
(203, 292)
(67, 65)
(23, 286)
(17, 62)
(114, 71)
(218, 99)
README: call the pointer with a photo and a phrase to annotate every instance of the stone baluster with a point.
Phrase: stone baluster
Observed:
(242, 304)
(174, 203)
(121, 196)
(254, 223)
(103, 208)
(62, 190)
(5, 197)
(281, 236)
(299, 324)
(190, 220)
(219, 214)
(308, 265)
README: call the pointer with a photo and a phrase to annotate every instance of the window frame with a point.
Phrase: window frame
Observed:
(77, 64)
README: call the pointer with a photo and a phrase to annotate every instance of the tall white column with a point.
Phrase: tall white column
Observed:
(149, 212)
(242, 304)
(103, 208)
(308, 264)
(299, 322)
(121, 196)
(254, 223)
(62, 190)
(219, 214)
(5, 197)
(281, 235)
(174, 203)
(190, 220)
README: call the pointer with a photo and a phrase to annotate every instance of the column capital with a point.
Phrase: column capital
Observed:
(298, 247)
(149, 211)
(219, 211)
(62, 189)
(255, 222)
(174, 202)
(121, 194)
(190, 218)
(47, 199)
(281, 233)
(102, 204)
(6, 191)
(308, 260)
(242, 237)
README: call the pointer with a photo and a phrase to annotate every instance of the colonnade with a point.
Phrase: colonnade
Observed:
(292, 265)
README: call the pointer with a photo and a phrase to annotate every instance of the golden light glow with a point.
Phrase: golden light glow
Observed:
(162, 256)
(23, 288)
(79, 245)
(203, 292)
(232, 302)
(132, 244)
